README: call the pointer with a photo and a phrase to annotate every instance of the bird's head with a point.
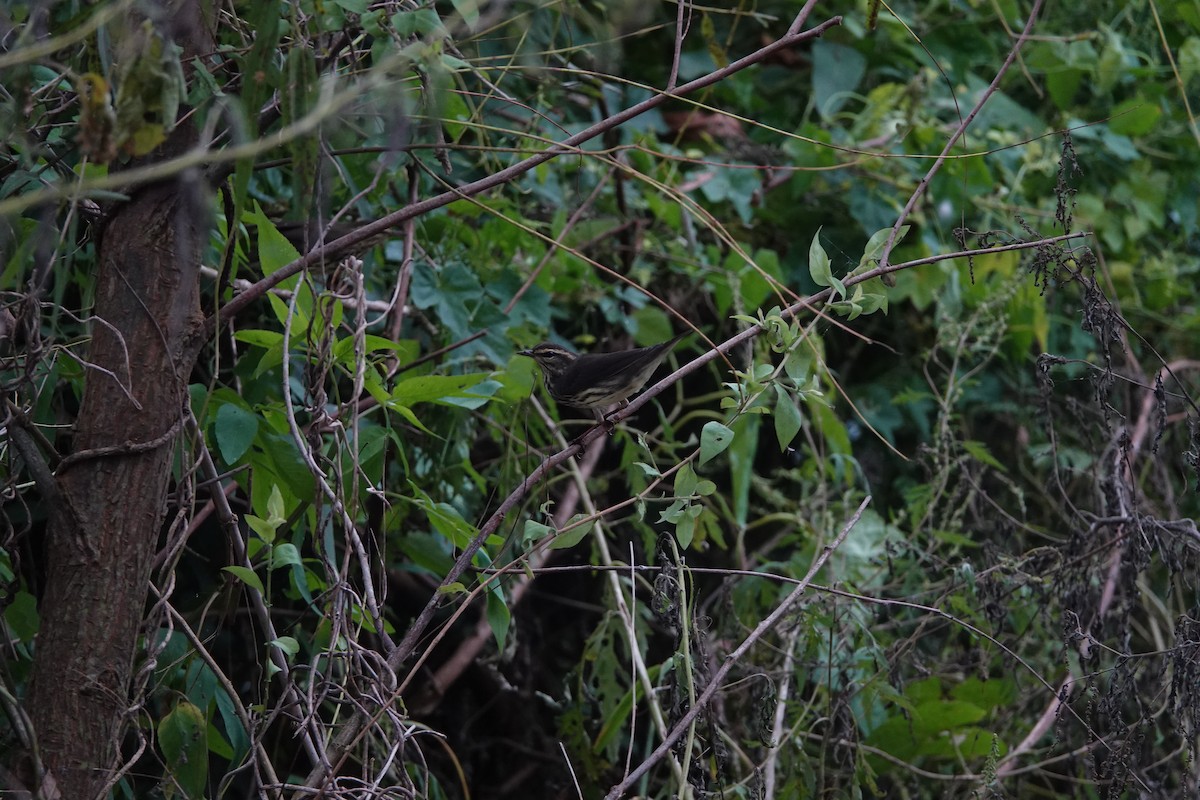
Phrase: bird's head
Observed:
(552, 358)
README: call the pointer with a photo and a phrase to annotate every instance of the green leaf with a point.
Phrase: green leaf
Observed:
(752, 282)
(446, 520)
(285, 555)
(875, 244)
(647, 470)
(287, 644)
(837, 71)
(651, 325)
(478, 395)
(408, 414)
(274, 249)
(741, 465)
(714, 438)
(405, 349)
(734, 185)
(787, 418)
(674, 512)
(275, 510)
(422, 22)
(455, 295)
(235, 428)
(989, 694)
(685, 530)
(300, 309)
(260, 338)
(263, 527)
(430, 388)
(246, 576)
(1189, 59)
(534, 532)
(1063, 84)
(818, 261)
(234, 729)
(940, 715)
(499, 617)
(183, 739)
(266, 526)
(254, 547)
(819, 266)
(685, 481)
(569, 537)
(711, 528)
(469, 10)
(1137, 116)
(217, 744)
(979, 451)
(870, 303)
(21, 616)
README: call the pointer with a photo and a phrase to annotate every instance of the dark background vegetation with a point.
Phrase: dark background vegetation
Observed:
(285, 515)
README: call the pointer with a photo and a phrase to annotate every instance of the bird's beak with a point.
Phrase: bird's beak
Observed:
(527, 353)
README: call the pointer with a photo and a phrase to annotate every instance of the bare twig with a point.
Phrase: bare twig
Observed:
(958, 134)
(759, 631)
(570, 145)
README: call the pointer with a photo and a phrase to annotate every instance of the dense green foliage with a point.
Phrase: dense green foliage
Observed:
(1022, 420)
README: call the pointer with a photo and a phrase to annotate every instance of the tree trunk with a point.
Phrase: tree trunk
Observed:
(114, 485)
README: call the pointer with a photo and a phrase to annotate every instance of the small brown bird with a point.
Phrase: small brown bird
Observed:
(597, 380)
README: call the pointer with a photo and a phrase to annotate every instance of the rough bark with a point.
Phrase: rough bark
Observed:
(114, 484)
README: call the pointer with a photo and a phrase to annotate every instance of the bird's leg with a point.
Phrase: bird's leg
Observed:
(604, 416)
(579, 440)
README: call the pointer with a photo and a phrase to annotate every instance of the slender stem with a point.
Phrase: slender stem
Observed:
(958, 134)
(331, 251)
(759, 631)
